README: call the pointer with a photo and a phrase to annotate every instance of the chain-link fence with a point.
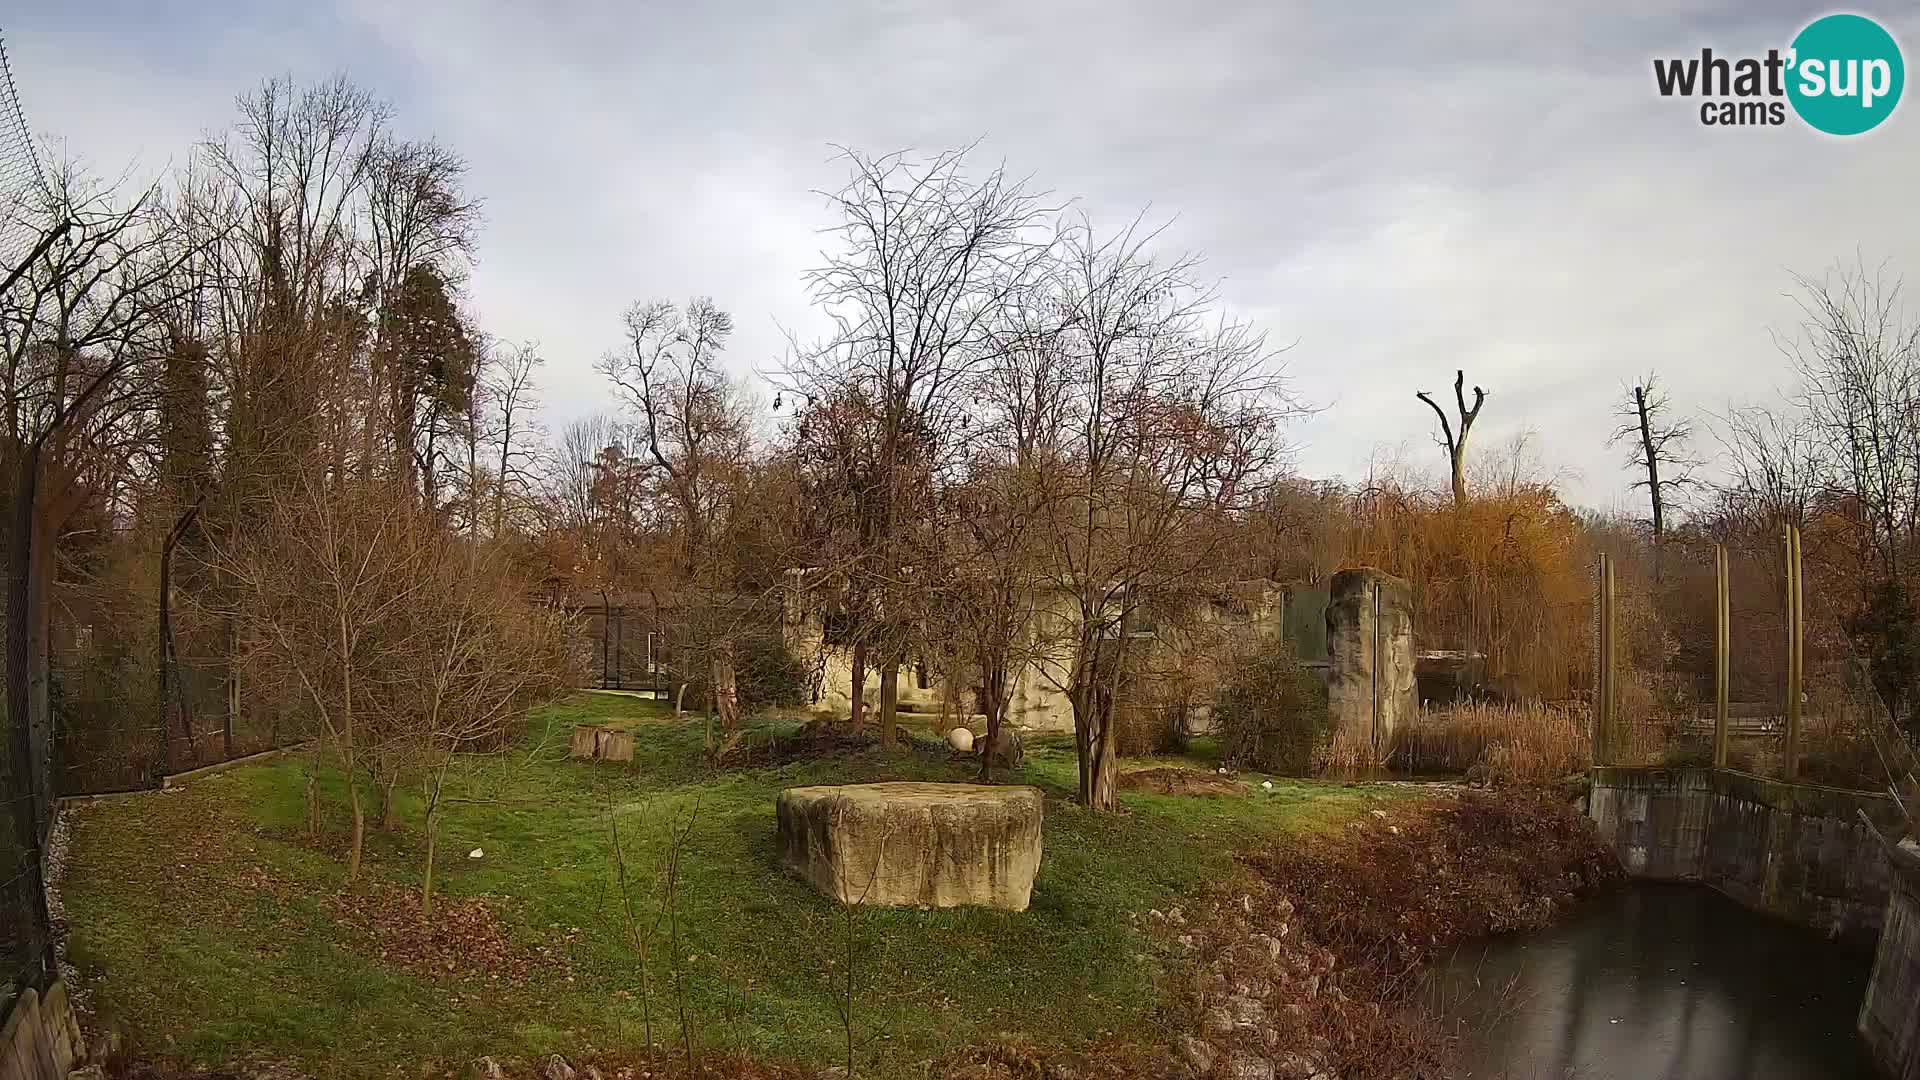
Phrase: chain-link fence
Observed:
(27, 763)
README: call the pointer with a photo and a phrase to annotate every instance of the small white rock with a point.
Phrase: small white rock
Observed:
(1267, 784)
(475, 853)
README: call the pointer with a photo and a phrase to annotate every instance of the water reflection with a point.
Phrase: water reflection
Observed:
(1660, 981)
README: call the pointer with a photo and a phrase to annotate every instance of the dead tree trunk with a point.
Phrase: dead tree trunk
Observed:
(1652, 455)
(1456, 444)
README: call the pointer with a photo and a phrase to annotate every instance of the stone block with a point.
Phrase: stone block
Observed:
(586, 741)
(616, 746)
(914, 844)
(1370, 677)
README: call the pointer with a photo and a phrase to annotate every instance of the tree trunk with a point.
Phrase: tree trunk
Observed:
(726, 693)
(889, 700)
(19, 625)
(1652, 455)
(359, 827)
(386, 800)
(313, 805)
(1459, 470)
(166, 654)
(40, 653)
(426, 877)
(233, 694)
(995, 685)
(1093, 741)
(858, 694)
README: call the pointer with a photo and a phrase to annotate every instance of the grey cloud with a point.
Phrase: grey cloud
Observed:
(1402, 190)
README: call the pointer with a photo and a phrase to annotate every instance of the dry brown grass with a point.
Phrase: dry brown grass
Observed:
(1525, 743)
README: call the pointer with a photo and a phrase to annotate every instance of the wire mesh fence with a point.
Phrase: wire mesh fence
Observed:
(22, 179)
(28, 762)
(1741, 655)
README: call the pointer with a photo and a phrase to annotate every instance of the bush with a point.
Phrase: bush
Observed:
(1849, 743)
(1152, 713)
(1147, 730)
(1272, 714)
(766, 675)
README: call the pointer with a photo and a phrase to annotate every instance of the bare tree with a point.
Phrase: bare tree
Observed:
(328, 582)
(1773, 462)
(1857, 353)
(696, 436)
(1161, 426)
(81, 335)
(928, 256)
(477, 656)
(1455, 444)
(511, 392)
(1657, 447)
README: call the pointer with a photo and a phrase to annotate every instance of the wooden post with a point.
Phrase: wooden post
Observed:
(1604, 691)
(1795, 628)
(233, 693)
(1722, 635)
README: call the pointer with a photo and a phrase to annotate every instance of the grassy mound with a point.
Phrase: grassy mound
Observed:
(208, 923)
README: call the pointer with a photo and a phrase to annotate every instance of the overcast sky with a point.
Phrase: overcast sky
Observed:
(1398, 191)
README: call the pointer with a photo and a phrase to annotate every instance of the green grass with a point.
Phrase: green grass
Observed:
(182, 945)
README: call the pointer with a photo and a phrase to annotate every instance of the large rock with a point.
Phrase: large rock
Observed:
(1370, 681)
(914, 844)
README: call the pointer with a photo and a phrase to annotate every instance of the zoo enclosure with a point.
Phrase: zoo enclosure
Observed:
(1735, 659)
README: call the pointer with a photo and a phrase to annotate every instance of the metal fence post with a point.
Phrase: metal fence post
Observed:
(1604, 691)
(1795, 629)
(1722, 633)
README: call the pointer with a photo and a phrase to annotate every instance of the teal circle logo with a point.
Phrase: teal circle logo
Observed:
(1845, 74)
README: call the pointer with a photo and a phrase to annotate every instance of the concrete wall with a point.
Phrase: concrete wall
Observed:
(1190, 648)
(41, 1039)
(1370, 682)
(1890, 1016)
(1797, 851)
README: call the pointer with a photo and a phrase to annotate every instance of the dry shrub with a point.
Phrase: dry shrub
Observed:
(1508, 571)
(1848, 742)
(1386, 895)
(1272, 714)
(1526, 743)
(1149, 730)
(1154, 706)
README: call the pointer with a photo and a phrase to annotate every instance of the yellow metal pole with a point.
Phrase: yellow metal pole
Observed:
(1603, 706)
(1722, 632)
(1794, 673)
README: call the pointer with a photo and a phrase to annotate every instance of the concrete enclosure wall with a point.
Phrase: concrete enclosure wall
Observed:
(1370, 679)
(1796, 851)
(1890, 1016)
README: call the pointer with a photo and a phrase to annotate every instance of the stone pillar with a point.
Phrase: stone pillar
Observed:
(1370, 680)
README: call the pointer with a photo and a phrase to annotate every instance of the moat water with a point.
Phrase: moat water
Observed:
(1659, 981)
